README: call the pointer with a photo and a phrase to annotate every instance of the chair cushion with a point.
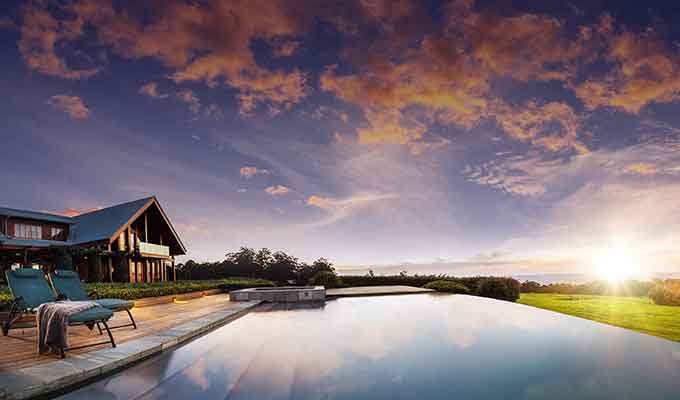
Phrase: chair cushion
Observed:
(115, 304)
(93, 314)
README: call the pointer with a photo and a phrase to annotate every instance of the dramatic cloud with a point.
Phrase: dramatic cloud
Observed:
(207, 42)
(151, 89)
(249, 172)
(643, 70)
(72, 105)
(40, 34)
(277, 190)
(554, 126)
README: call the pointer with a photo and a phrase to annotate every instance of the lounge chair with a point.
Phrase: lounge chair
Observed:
(67, 283)
(30, 289)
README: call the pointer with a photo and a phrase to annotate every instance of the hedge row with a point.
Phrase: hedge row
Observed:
(601, 287)
(447, 287)
(485, 286)
(133, 291)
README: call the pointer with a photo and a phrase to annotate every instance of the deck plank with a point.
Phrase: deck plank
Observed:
(19, 349)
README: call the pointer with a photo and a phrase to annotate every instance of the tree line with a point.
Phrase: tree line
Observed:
(275, 266)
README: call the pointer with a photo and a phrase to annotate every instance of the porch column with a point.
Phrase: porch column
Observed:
(110, 264)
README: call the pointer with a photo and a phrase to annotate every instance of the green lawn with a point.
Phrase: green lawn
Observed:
(636, 313)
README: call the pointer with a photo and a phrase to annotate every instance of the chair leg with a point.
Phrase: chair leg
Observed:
(106, 326)
(14, 315)
(100, 328)
(134, 324)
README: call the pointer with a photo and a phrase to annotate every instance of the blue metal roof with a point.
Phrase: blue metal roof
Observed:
(86, 228)
(103, 224)
(41, 216)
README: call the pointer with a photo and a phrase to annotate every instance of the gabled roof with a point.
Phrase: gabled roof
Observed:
(41, 216)
(105, 223)
(100, 225)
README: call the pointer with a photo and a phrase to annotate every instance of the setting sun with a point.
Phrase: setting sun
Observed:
(615, 265)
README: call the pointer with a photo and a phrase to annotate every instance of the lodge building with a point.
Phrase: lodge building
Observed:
(129, 242)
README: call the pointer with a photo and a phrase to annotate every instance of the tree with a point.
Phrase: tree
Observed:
(283, 268)
(306, 272)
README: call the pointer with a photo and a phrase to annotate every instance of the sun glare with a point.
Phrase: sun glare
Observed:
(615, 266)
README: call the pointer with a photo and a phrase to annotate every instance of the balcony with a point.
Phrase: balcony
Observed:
(153, 250)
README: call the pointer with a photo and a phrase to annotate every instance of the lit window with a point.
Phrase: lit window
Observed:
(56, 233)
(26, 231)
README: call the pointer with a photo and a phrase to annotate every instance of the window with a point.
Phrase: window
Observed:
(27, 231)
(56, 233)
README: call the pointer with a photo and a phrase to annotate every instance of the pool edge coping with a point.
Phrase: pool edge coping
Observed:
(44, 379)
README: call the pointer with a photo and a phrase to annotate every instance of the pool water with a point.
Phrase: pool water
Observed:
(424, 346)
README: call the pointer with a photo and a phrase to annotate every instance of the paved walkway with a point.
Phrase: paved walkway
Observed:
(375, 291)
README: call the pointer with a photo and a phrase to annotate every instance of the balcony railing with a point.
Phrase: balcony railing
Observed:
(150, 249)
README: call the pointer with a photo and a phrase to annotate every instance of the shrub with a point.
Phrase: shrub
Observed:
(132, 291)
(327, 279)
(448, 287)
(499, 288)
(5, 298)
(666, 292)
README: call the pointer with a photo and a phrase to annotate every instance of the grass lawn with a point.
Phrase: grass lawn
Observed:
(636, 313)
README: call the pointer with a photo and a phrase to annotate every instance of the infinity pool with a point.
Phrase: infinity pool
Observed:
(424, 346)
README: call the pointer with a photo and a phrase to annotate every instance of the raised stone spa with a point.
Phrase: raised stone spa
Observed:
(284, 294)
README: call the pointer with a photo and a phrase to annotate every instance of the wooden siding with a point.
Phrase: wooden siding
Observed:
(46, 228)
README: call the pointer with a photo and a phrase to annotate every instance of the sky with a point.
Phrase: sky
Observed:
(473, 136)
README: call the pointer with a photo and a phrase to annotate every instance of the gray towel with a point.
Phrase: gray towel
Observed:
(52, 319)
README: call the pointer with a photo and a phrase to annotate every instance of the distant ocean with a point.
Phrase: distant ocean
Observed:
(542, 278)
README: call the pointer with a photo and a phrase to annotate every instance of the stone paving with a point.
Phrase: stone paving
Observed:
(375, 291)
(76, 368)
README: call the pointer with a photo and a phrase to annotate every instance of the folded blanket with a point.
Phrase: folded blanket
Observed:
(52, 319)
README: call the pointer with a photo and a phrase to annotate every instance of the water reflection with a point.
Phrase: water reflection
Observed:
(406, 347)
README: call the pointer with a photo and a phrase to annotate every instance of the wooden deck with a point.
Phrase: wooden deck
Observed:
(19, 349)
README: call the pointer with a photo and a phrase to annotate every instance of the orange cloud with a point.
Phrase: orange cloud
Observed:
(74, 212)
(643, 70)
(325, 203)
(72, 105)
(40, 33)
(447, 79)
(151, 89)
(641, 168)
(189, 97)
(207, 42)
(249, 172)
(553, 126)
(277, 190)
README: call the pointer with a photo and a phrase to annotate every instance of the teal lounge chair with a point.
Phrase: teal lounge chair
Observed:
(30, 289)
(67, 283)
